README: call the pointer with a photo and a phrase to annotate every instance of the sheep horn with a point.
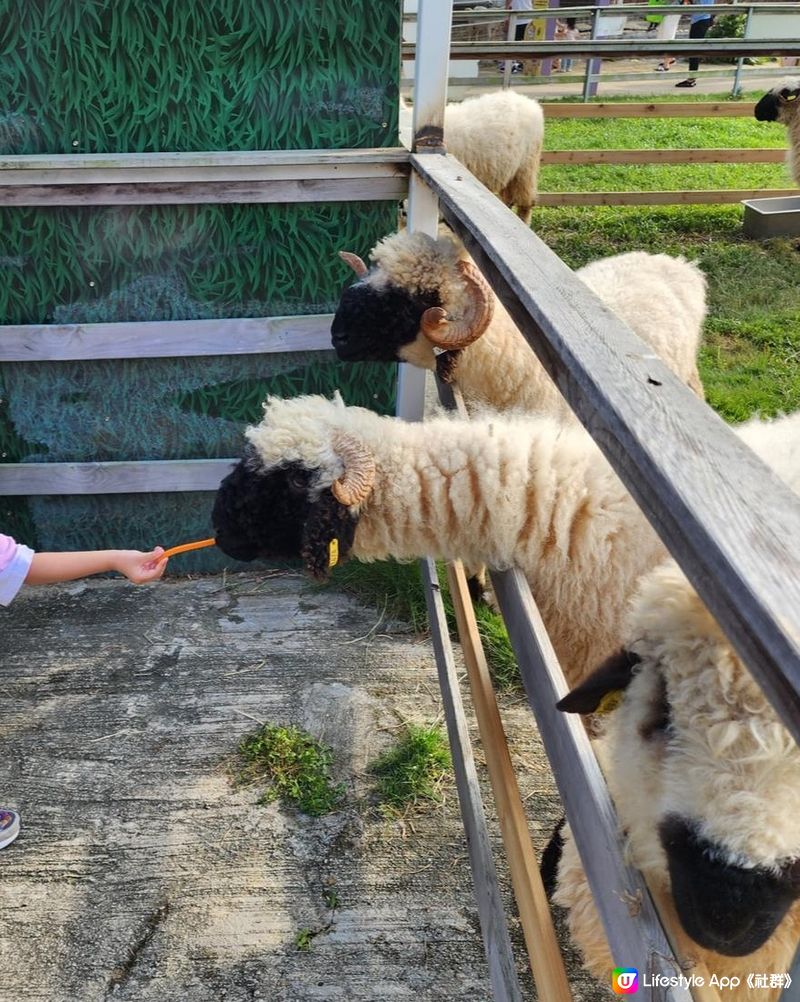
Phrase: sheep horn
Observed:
(453, 334)
(355, 485)
(354, 261)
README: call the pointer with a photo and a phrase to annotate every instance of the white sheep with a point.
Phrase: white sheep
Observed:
(782, 104)
(706, 782)
(705, 778)
(399, 310)
(500, 490)
(499, 137)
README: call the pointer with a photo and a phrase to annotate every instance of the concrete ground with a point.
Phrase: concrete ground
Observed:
(142, 873)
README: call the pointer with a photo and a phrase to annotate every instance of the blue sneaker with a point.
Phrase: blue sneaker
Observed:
(9, 826)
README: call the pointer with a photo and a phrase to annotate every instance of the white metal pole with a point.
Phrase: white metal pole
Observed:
(509, 63)
(430, 95)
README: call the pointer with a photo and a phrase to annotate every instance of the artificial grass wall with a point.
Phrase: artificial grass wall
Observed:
(111, 76)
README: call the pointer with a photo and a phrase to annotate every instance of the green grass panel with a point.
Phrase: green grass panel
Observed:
(103, 76)
(165, 408)
(180, 262)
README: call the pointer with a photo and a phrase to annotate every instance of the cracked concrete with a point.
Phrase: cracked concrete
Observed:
(143, 874)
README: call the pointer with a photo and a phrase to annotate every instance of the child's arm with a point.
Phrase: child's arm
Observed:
(138, 567)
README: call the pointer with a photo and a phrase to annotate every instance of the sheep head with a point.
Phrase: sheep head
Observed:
(780, 103)
(705, 777)
(298, 489)
(419, 296)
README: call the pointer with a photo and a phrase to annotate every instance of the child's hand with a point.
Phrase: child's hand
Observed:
(140, 567)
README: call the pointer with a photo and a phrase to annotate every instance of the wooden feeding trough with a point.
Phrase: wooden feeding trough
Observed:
(772, 217)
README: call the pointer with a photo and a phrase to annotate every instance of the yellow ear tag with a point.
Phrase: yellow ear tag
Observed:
(610, 701)
(333, 553)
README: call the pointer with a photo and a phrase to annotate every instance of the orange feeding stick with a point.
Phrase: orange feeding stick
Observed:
(185, 547)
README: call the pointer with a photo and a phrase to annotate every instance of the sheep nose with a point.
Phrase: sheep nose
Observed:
(729, 909)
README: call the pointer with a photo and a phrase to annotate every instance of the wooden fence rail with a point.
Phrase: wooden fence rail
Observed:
(649, 109)
(686, 156)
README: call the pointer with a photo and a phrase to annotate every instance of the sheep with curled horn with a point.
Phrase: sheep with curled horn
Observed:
(782, 104)
(500, 490)
(424, 301)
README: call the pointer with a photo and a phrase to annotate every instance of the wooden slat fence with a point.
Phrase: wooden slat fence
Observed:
(685, 109)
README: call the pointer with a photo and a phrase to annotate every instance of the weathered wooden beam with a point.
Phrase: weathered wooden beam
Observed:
(164, 338)
(634, 932)
(607, 48)
(547, 965)
(730, 522)
(496, 941)
(650, 109)
(114, 477)
(274, 163)
(700, 156)
(201, 192)
(721, 196)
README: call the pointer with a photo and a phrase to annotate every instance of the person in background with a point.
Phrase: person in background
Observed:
(522, 24)
(571, 34)
(20, 566)
(699, 29)
(667, 30)
(558, 36)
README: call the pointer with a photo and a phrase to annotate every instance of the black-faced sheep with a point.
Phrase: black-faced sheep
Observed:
(705, 778)
(782, 104)
(499, 490)
(706, 782)
(499, 137)
(403, 309)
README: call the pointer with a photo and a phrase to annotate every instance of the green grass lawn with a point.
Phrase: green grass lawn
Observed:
(750, 358)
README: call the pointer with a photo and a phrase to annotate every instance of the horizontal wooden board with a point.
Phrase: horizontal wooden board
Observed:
(164, 338)
(732, 525)
(285, 159)
(481, 16)
(606, 48)
(650, 109)
(113, 478)
(170, 167)
(718, 197)
(739, 156)
(199, 192)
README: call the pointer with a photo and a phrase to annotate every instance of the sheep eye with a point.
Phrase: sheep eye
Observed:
(298, 480)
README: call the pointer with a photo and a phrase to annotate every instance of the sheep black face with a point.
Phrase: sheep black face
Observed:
(732, 910)
(278, 515)
(373, 324)
(771, 106)
(705, 780)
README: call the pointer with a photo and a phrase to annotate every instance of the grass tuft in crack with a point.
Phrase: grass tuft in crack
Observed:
(414, 769)
(295, 766)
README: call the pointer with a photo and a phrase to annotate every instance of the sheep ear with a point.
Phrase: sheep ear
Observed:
(327, 535)
(613, 676)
